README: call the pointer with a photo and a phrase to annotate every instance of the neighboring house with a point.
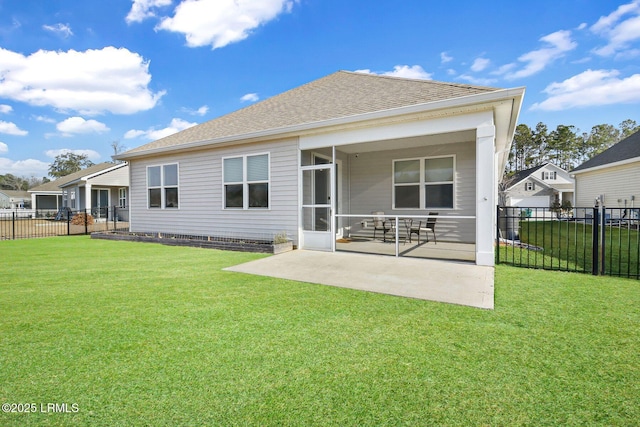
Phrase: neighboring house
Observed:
(95, 188)
(348, 143)
(11, 199)
(540, 187)
(612, 176)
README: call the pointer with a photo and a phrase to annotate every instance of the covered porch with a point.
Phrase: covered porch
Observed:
(370, 191)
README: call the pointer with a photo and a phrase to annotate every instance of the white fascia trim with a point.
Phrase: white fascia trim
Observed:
(483, 98)
(608, 165)
(95, 174)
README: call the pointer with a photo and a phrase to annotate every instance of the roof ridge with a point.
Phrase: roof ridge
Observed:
(432, 81)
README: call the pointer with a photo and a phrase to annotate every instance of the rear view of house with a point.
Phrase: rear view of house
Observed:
(316, 160)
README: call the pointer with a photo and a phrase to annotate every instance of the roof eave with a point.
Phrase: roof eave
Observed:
(515, 94)
(606, 165)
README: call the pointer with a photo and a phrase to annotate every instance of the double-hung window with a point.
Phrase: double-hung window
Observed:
(162, 186)
(246, 182)
(426, 183)
(122, 197)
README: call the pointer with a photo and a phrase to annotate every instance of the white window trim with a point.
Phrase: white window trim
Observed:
(245, 183)
(122, 190)
(162, 187)
(423, 183)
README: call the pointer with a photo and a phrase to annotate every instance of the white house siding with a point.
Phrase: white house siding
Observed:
(201, 210)
(371, 187)
(615, 183)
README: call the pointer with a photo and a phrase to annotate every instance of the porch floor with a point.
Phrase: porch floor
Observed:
(447, 281)
(431, 250)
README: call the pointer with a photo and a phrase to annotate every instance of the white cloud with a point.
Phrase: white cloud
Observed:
(406, 71)
(444, 57)
(43, 119)
(619, 32)
(480, 64)
(143, 9)
(152, 134)
(91, 154)
(64, 30)
(11, 129)
(250, 97)
(558, 44)
(26, 167)
(5, 109)
(221, 22)
(199, 112)
(89, 82)
(591, 88)
(477, 80)
(77, 125)
(4, 148)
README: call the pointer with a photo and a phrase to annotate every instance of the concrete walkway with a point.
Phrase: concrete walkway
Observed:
(434, 280)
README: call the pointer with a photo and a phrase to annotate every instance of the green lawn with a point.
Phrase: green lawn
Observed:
(567, 245)
(151, 335)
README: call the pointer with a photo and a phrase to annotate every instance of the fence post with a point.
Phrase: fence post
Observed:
(86, 220)
(594, 244)
(497, 261)
(603, 228)
(115, 216)
(13, 226)
(68, 221)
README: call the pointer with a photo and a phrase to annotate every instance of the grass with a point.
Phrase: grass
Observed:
(568, 246)
(145, 334)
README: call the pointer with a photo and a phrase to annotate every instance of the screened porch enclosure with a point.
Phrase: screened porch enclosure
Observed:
(368, 197)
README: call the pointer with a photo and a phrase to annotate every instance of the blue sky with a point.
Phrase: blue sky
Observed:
(79, 75)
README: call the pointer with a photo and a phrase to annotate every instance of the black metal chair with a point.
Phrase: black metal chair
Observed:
(379, 223)
(428, 227)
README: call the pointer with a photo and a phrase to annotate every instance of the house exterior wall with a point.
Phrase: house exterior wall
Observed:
(371, 187)
(115, 178)
(4, 201)
(519, 191)
(615, 183)
(200, 184)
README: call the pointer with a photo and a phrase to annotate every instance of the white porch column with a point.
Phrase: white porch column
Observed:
(87, 197)
(486, 194)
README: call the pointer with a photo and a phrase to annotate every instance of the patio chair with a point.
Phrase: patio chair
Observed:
(379, 223)
(428, 227)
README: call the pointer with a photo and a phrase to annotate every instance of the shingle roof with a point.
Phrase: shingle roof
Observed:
(15, 193)
(519, 176)
(56, 184)
(338, 95)
(628, 148)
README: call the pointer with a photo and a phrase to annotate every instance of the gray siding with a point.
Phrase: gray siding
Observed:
(371, 185)
(201, 200)
(519, 191)
(616, 183)
(118, 177)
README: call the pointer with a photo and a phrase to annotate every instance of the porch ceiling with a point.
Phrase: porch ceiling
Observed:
(412, 142)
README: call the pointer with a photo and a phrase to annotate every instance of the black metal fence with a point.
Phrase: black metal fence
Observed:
(595, 240)
(27, 224)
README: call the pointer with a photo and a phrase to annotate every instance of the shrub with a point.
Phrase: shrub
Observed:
(80, 218)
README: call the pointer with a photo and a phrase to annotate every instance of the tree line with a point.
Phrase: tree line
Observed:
(566, 146)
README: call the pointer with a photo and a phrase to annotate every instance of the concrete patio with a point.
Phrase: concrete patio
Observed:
(452, 282)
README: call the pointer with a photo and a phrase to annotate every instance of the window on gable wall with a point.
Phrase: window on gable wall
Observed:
(246, 182)
(425, 183)
(528, 186)
(162, 186)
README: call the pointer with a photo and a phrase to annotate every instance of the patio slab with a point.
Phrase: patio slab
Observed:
(435, 280)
